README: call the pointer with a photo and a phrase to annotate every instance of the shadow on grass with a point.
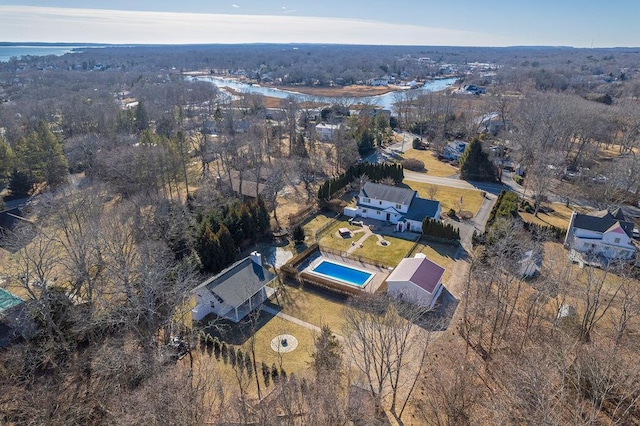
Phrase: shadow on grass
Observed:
(439, 318)
(287, 298)
(235, 334)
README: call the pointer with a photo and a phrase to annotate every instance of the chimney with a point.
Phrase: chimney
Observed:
(256, 258)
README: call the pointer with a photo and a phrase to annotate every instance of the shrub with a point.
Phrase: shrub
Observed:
(518, 179)
(298, 234)
(451, 213)
(412, 164)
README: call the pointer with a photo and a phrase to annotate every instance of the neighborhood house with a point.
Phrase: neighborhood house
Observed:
(453, 150)
(326, 132)
(234, 292)
(601, 233)
(399, 206)
(417, 280)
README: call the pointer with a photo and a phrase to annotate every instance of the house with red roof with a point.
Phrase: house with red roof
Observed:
(417, 280)
(601, 234)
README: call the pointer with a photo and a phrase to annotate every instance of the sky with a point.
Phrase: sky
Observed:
(578, 23)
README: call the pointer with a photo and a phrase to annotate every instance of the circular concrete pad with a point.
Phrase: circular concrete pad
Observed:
(284, 343)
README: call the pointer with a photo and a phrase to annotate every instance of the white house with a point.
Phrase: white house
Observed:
(453, 150)
(417, 280)
(399, 206)
(326, 132)
(601, 233)
(234, 292)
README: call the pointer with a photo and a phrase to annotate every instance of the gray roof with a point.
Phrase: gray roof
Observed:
(421, 208)
(602, 220)
(236, 284)
(392, 194)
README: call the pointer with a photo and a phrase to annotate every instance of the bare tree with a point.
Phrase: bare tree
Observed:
(387, 348)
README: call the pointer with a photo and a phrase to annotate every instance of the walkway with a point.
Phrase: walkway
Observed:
(357, 244)
(289, 318)
(296, 321)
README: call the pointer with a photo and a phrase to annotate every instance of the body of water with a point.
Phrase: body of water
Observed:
(385, 101)
(8, 52)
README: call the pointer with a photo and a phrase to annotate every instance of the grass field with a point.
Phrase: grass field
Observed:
(433, 166)
(559, 217)
(391, 254)
(318, 221)
(336, 242)
(315, 306)
(292, 362)
(449, 197)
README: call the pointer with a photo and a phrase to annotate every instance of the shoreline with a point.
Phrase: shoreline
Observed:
(350, 91)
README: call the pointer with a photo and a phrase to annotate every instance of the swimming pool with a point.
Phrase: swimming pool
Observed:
(342, 273)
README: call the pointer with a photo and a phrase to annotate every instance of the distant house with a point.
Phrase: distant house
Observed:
(601, 233)
(326, 132)
(400, 206)
(473, 89)
(382, 81)
(235, 292)
(529, 265)
(491, 123)
(453, 150)
(416, 280)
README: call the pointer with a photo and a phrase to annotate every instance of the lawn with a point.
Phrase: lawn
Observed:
(391, 254)
(433, 166)
(559, 217)
(292, 362)
(315, 306)
(449, 197)
(318, 221)
(336, 242)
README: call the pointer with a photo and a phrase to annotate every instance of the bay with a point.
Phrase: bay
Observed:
(17, 51)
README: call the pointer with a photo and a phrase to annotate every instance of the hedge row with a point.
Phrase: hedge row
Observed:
(375, 172)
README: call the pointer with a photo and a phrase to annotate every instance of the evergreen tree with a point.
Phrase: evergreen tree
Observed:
(142, 117)
(475, 163)
(21, 183)
(40, 157)
(327, 355)
(227, 246)
(298, 234)
(6, 160)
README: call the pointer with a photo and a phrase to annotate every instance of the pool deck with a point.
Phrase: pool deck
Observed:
(380, 274)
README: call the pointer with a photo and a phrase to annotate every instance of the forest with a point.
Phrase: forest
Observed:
(137, 183)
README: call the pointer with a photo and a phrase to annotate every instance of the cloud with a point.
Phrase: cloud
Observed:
(235, 6)
(50, 24)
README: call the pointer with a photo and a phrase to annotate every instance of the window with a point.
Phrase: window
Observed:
(380, 202)
(364, 210)
(617, 241)
(398, 206)
(378, 212)
(366, 200)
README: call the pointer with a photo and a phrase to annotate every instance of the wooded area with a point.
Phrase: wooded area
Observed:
(138, 182)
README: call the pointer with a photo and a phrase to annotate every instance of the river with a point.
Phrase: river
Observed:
(385, 101)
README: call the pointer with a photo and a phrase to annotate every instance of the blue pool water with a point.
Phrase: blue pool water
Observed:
(343, 273)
